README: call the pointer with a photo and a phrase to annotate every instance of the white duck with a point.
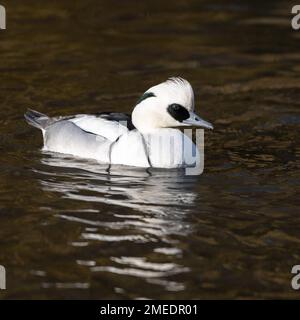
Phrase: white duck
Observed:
(147, 138)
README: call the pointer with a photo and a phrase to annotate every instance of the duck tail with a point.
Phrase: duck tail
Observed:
(36, 119)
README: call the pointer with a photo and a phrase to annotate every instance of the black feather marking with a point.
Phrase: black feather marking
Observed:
(178, 112)
(145, 96)
(146, 150)
(109, 154)
(117, 116)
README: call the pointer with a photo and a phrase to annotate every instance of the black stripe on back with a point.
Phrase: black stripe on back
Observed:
(145, 96)
(117, 116)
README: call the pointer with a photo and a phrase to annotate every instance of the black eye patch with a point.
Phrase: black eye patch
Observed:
(178, 112)
(145, 96)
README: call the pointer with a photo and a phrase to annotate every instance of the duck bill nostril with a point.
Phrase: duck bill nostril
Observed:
(196, 121)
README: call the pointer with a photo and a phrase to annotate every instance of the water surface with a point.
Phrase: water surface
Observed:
(70, 230)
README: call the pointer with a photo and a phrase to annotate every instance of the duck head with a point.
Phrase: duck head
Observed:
(169, 104)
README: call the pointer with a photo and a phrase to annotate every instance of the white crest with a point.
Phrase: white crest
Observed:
(175, 90)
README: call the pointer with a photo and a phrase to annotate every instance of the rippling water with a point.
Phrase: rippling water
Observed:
(71, 230)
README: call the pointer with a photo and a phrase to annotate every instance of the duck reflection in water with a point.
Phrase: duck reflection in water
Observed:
(131, 207)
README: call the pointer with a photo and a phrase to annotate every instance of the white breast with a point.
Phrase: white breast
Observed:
(130, 150)
(170, 148)
(162, 148)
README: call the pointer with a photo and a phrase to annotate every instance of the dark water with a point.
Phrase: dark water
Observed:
(69, 230)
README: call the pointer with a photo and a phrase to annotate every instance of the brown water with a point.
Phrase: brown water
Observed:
(69, 230)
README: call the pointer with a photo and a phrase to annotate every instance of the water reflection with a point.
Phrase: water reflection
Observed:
(161, 192)
(158, 202)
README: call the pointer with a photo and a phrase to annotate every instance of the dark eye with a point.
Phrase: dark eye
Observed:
(178, 112)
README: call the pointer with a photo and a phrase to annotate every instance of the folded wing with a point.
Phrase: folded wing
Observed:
(110, 126)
